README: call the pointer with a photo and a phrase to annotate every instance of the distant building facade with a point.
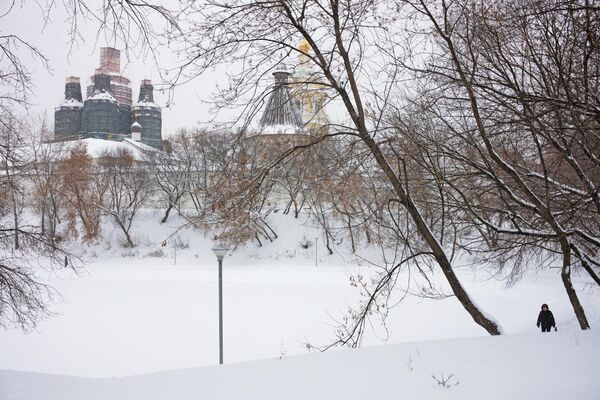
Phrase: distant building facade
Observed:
(107, 112)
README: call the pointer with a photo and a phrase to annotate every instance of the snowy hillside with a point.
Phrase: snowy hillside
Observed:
(550, 367)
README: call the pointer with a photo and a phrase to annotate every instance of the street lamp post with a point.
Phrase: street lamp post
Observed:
(220, 251)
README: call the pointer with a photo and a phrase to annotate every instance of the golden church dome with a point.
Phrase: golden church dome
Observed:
(304, 46)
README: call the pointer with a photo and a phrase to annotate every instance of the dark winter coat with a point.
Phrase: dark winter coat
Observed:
(546, 319)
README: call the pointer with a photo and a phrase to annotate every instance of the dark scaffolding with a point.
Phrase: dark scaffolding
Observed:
(281, 108)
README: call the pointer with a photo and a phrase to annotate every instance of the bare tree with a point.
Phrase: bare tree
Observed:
(82, 190)
(171, 170)
(13, 160)
(500, 97)
(357, 69)
(24, 248)
(45, 176)
(127, 186)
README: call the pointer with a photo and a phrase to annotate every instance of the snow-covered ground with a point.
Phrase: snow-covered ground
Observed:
(129, 313)
(534, 366)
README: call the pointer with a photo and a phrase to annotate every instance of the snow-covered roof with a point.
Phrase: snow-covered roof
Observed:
(139, 146)
(278, 130)
(281, 68)
(98, 147)
(145, 104)
(72, 103)
(102, 96)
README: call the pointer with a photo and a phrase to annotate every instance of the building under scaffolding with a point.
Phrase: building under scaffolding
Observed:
(282, 110)
(296, 102)
(67, 117)
(148, 114)
(107, 112)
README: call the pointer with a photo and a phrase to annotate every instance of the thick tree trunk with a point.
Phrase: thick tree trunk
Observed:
(356, 112)
(541, 208)
(440, 256)
(566, 279)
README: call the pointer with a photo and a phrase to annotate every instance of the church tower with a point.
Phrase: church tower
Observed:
(295, 109)
(309, 92)
(281, 113)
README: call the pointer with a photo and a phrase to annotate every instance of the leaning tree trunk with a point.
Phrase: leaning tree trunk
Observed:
(438, 252)
(357, 114)
(566, 279)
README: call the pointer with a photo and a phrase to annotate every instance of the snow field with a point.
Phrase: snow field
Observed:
(128, 313)
(534, 366)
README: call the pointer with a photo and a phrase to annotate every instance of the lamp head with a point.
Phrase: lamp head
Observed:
(220, 251)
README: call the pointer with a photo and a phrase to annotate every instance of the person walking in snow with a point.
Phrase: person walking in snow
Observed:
(546, 319)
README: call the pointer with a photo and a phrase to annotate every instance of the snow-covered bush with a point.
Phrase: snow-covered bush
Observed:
(158, 253)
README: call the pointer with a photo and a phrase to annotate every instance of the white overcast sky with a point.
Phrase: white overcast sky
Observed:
(26, 21)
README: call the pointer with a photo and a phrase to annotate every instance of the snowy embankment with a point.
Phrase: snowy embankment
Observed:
(554, 366)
